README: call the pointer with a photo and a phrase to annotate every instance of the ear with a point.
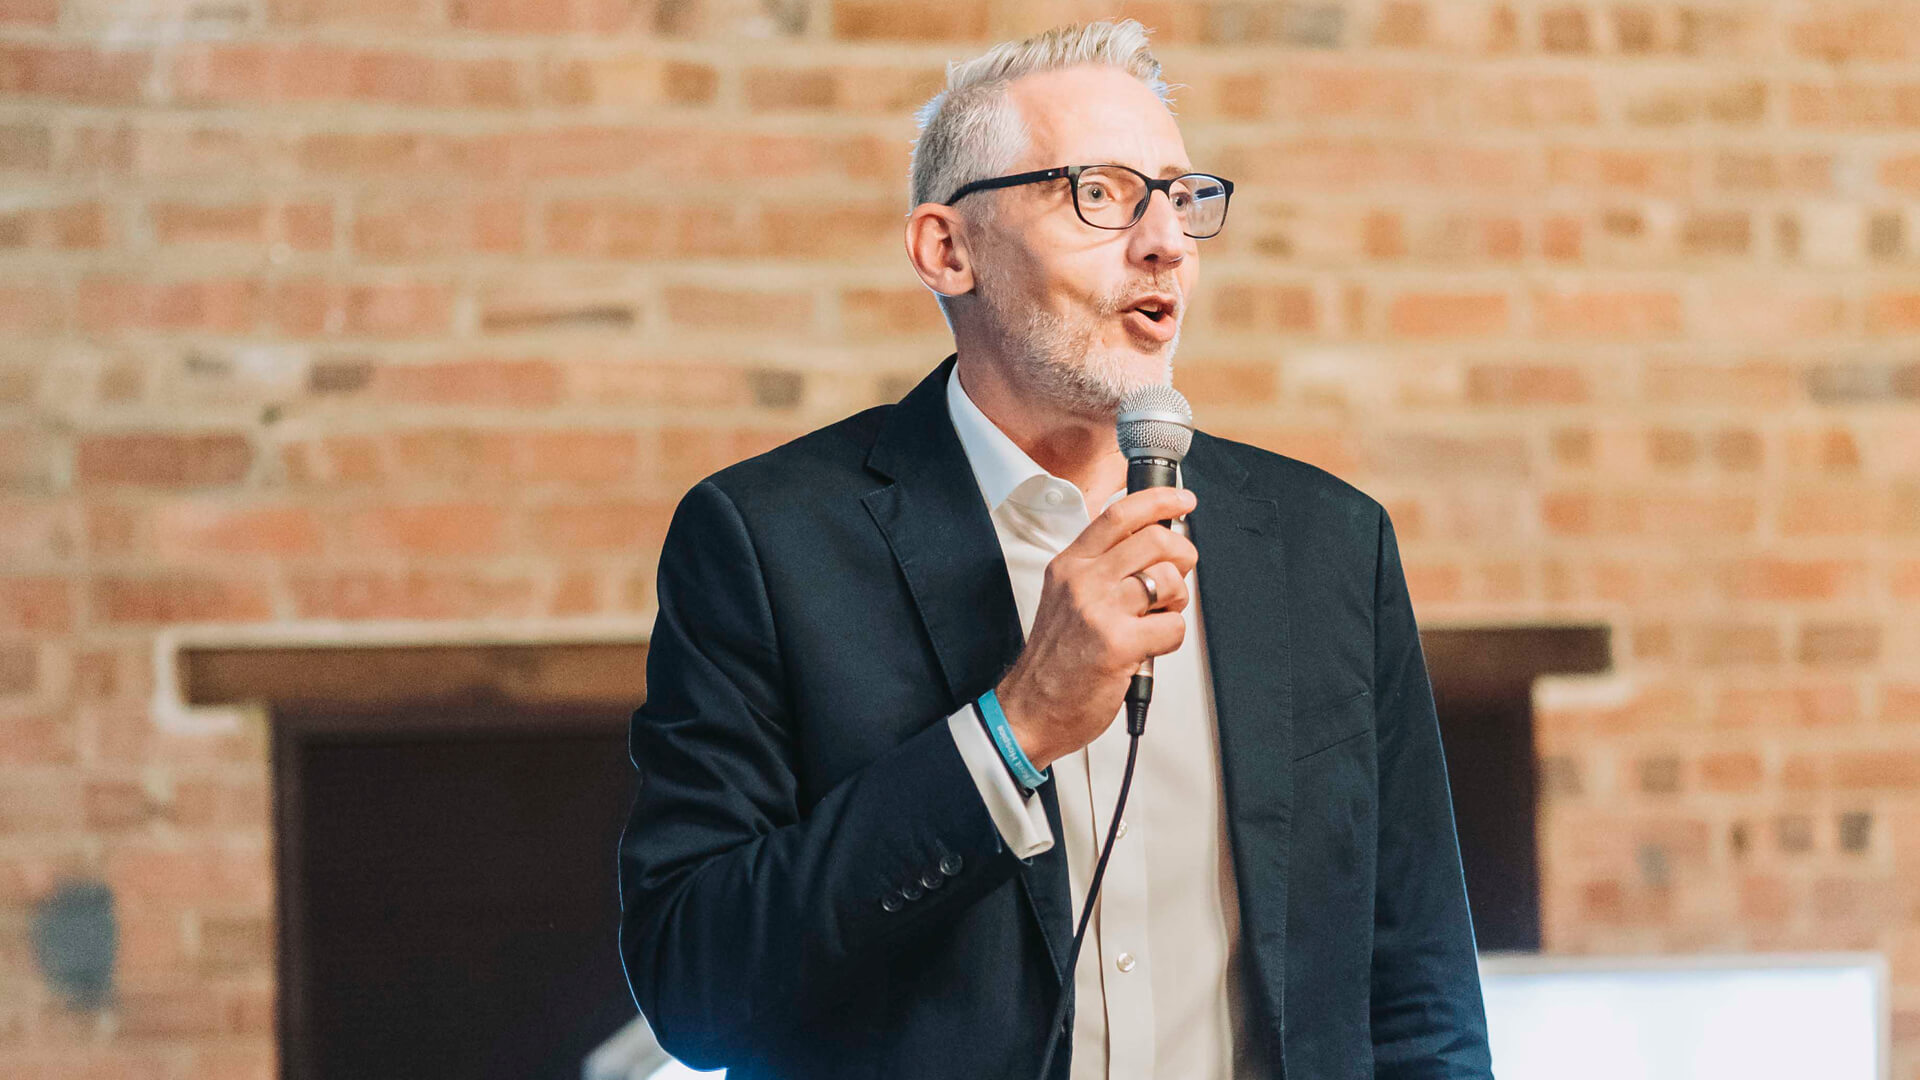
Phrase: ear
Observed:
(937, 248)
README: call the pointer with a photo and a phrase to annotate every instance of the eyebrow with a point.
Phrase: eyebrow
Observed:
(1172, 171)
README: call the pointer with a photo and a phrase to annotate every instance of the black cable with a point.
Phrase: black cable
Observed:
(1136, 725)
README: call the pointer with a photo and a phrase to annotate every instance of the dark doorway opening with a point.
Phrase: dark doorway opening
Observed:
(1483, 690)
(446, 818)
(448, 899)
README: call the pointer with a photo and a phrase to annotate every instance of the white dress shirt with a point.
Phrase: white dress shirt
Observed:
(1158, 983)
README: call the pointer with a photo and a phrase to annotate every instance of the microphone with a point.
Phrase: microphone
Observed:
(1155, 429)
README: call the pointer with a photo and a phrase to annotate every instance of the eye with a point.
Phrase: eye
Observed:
(1094, 191)
(1182, 200)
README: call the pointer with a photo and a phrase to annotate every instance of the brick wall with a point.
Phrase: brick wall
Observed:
(430, 309)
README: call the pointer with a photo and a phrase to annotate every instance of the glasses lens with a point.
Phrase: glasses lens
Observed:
(1202, 203)
(1107, 197)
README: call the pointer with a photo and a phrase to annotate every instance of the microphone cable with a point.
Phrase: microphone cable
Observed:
(1136, 726)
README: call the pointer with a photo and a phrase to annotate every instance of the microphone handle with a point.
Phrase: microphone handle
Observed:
(1142, 473)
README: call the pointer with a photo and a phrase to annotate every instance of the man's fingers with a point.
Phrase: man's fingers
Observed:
(1128, 516)
(1159, 633)
(1143, 549)
(1169, 590)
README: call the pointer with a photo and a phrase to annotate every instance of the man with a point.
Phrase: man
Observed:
(834, 870)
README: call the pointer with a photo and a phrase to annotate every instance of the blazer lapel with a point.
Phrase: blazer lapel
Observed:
(942, 538)
(1244, 610)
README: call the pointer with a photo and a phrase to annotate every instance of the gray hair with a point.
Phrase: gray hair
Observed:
(970, 131)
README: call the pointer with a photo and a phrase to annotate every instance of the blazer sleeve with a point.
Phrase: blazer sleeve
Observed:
(1428, 1019)
(744, 915)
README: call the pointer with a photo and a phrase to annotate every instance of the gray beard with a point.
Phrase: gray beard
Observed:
(1055, 358)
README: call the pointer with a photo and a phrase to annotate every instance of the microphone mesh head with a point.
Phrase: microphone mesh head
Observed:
(1155, 420)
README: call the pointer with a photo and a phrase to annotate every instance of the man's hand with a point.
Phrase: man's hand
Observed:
(1092, 628)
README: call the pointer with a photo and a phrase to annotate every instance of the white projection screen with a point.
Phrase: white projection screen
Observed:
(1750, 1017)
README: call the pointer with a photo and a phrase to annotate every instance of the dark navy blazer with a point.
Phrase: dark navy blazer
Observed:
(823, 607)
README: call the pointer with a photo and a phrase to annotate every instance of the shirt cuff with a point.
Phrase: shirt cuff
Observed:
(1022, 821)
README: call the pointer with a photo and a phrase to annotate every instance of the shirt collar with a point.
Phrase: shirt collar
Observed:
(999, 465)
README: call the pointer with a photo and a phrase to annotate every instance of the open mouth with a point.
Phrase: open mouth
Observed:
(1153, 310)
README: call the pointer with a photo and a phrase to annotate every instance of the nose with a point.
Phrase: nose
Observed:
(1158, 239)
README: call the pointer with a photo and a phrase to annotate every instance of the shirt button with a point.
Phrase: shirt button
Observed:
(912, 892)
(891, 902)
(951, 865)
(1124, 961)
(1122, 831)
(932, 880)
(1053, 497)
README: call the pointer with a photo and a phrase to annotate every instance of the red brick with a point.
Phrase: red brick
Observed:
(526, 384)
(165, 459)
(1598, 170)
(616, 227)
(1419, 315)
(174, 1013)
(1758, 313)
(399, 231)
(1526, 384)
(40, 13)
(179, 597)
(1588, 513)
(1894, 313)
(416, 594)
(36, 603)
(182, 528)
(1794, 579)
(891, 20)
(417, 14)
(1759, 385)
(1887, 769)
(19, 670)
(1839, 643)
(1831, 511)
(151, 878)
(312, 307)
(875, 314)
(305, 226)
(1853, 32)
(1900, 703)
(1732, 771)
(784, 89)
(35, 532)
(29, 306)
(220, 804)
(193, 223)
(576, 593)
(818, 231)
(627, 525)
(1633, 316)
(116, 804)
(119, 303)
(1720, 644)
(427, 530)
(1265, 308)
(1762, 707)
(72, 73)
(586, 459)
(235, 943)
(36, 735)
(739, 310)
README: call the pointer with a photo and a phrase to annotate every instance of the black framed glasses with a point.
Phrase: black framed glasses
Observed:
(1115, 196)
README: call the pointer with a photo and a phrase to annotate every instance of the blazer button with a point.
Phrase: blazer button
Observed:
(891, 902)
(951, 865)
(932, 880)
(911, 891)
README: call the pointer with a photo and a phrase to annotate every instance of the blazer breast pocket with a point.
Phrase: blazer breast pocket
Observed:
(1330, 725)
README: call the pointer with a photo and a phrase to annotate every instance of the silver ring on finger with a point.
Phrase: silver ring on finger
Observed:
(1153, 590)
